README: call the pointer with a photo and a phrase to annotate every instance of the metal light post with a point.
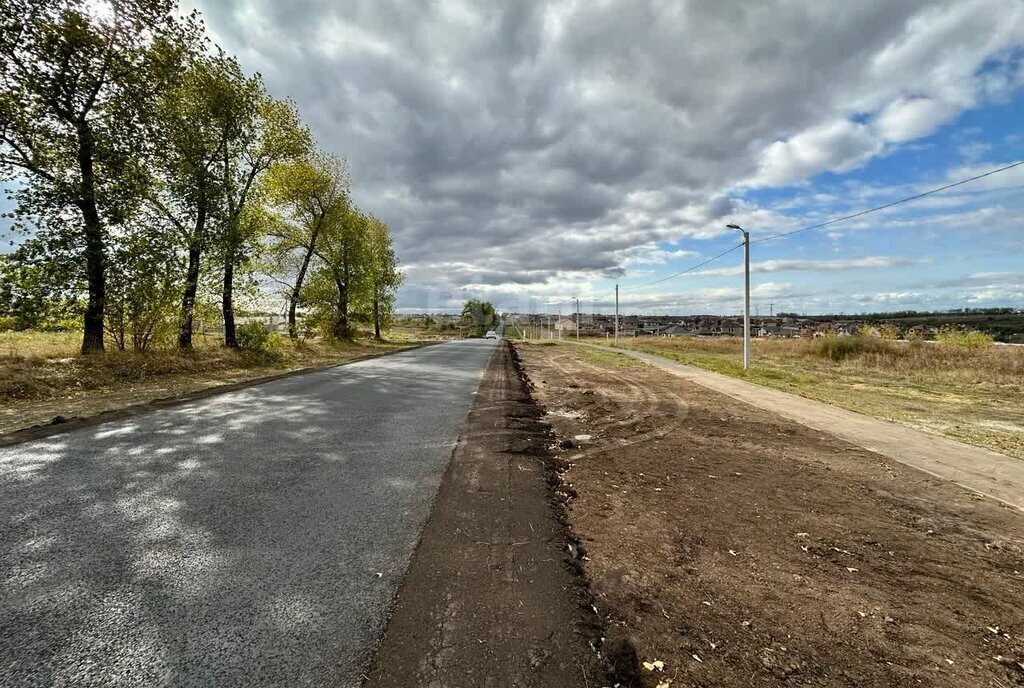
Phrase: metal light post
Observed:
(577, 319)
(616, 315)
(746, 295)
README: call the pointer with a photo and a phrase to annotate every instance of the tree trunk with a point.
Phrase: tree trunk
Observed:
(188, 299)
(293, 331)
(95, 258)
(376, 317)
(230, 338)
(341, 330)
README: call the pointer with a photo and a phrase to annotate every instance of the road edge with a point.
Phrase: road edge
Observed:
(615, 649)
(37, 432)
(385, 667)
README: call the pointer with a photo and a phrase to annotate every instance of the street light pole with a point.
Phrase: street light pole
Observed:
(616, 315)
(577, 319)
(746, 295)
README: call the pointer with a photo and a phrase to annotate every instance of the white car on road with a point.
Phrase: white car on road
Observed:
(491, 334)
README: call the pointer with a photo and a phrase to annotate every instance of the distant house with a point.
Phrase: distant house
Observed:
(678, 331)
(565, 325)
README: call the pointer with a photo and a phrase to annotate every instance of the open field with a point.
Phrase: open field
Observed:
(42, 376)
(742, 549)
(974, 395)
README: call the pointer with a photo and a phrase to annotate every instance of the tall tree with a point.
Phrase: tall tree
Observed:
(382, 274)
(78, 79)
(479, 314)
(312, 193)
(261, 132)
(195, 126)
(344, 251)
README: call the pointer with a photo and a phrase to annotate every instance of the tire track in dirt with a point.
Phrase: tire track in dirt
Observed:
(651, 405)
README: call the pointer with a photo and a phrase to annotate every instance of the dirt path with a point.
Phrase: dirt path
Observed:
(488, 599)
(986, 472)
(741, 548)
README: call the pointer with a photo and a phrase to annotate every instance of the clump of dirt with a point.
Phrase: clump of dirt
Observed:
(728, 546)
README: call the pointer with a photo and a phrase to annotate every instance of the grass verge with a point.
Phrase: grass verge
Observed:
(42, 378)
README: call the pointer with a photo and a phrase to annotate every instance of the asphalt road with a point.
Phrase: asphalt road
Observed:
(253, 538)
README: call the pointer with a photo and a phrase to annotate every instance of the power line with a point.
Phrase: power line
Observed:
(819, 226)
(890, 205)
(683, 272)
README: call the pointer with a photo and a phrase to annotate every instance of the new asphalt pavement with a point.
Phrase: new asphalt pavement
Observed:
(254, 538)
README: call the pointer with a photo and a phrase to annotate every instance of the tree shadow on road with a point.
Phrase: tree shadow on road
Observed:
(252, 537)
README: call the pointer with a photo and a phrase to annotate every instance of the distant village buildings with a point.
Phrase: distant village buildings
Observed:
(594, 324)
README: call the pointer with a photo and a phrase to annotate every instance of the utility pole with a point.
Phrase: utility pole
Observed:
(616, 315)
(746, 295)
(577, 319)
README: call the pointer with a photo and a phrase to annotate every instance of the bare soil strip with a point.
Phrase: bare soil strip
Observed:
(740, 548)
(490, 598)
(974, 468)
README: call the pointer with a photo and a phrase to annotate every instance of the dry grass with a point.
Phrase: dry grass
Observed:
(975, 395)
(42, 376)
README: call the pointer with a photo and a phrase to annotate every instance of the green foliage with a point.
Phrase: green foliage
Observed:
(478, 314)
(951, 335)
(383, 276)
(40, 285)
(153, 173)
(143, 286)
(256, 336)
(311, 195)
(78, 101)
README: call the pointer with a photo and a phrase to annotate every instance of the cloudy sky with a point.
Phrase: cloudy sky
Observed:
(526, 152)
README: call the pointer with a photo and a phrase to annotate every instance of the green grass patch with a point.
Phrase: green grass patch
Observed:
(610, 359)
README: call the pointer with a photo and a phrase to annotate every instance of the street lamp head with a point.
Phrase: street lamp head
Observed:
(735, 227)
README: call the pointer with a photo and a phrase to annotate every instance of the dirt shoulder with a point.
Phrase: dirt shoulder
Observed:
(41, 397)
(490, 598)
(980, 470)
(743, 549)
(972, 395)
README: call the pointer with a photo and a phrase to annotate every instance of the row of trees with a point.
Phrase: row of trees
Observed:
(478, 315)
(149, 170)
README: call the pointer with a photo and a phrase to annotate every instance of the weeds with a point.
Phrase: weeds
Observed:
(952, 336)
(37, 366)
(841, 348)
